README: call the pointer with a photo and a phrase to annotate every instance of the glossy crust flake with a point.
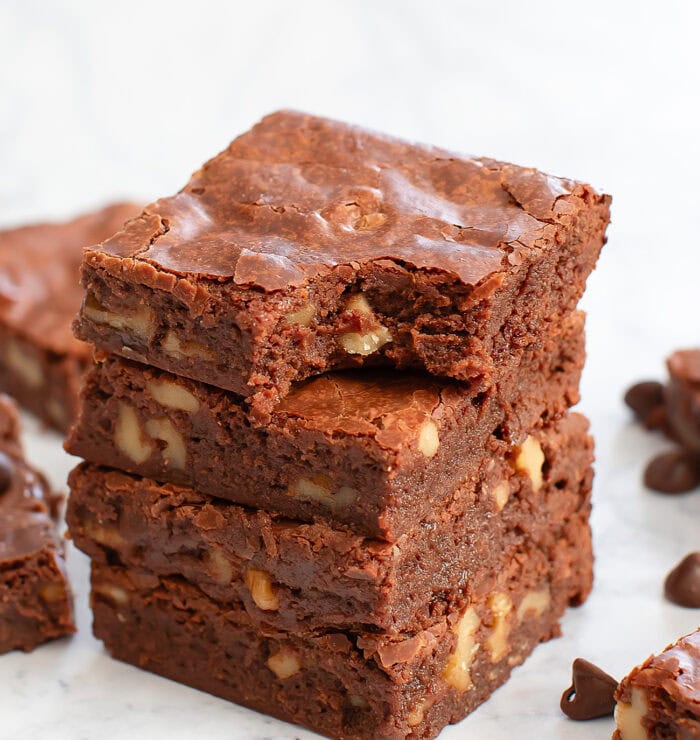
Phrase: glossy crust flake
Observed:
(35, 599)
(41, 362)
(309, 245)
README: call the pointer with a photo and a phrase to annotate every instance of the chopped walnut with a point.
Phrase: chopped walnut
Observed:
(529, 458)
(108, 536)
(284, 663)
(128, 436)
(52, 593)
(24, 365)
(428, 438)
(260, 586)
(218, 566)
(173, 346)
(174, 453)
(370, 221)
(501, 494)
(318, 489)
(358, 343)
(457, 670)
(302, 316)
(173, 396)
(501, 606)
(629, 717)
(114, 593)
(141, 323)
(534, 602)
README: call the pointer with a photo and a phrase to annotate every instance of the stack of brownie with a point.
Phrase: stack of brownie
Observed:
(331, 472)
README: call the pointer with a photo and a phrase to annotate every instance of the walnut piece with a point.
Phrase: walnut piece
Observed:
(173, 396)
(174, 453)
(358, 701)
(535, 603)
(108, 536)
(358, 343)
(23, 364)
(457, 670)
(355, 343)
(501, 606)
(128, 436)
(417, 714)
(428, 438)
(318, 489)
(628, 717)
(140, 323)
(218, 566)
(116, 594)
(501, 494)
(302, 316)
(529, 458)
(260, 586)
(173, 346)
(284, 663)
(52, 593)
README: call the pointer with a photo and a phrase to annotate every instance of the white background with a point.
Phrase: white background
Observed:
(101, 100)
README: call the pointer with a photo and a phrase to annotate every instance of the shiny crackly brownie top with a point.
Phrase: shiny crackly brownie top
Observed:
(26, 524)
(298, 195)
(40, 272)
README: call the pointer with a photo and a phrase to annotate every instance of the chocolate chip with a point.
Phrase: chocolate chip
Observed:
(591, 694)
(6, 472)
(646, 399)
(673, 472)
(682, 584)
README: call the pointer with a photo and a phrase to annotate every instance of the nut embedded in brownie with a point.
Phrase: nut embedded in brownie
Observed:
(661, 698)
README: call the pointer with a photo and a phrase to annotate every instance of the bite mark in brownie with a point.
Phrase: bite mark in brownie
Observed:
(661, 698)
(41, 363)
(35, 599)
(371, 450)
(310, 245)
(340, 683)
(297, 576)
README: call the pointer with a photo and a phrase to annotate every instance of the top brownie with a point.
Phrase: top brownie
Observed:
(310, 245)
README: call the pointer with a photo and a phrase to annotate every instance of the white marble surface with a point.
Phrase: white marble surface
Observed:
(102, 100)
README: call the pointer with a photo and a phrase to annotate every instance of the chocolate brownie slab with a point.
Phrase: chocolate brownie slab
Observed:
(310, 245)
(344, 684)
(309, 576)
(35, 600)
(661, 698)
(372, 450)
(41, 363)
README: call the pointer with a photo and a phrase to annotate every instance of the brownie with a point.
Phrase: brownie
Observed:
(340, 683)
(661, 698)
(41, 363)
(310, 245)
(682, 398)
(370, 449)
(297, 576)
(35, 599)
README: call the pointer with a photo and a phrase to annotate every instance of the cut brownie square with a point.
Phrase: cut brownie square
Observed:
(310, 245)
(372, 450)
(340, 683)
(41, 363)
(35, 600)
(296, 576)
(661, 698)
